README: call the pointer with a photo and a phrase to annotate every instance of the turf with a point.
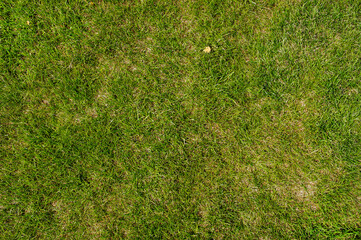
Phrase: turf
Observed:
(181, 119)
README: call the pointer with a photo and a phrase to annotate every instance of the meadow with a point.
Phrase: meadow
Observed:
(156, 119)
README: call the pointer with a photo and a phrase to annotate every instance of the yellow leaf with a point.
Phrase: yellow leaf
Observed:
(207, 49)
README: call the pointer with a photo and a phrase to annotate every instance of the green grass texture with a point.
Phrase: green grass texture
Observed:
(203, 119)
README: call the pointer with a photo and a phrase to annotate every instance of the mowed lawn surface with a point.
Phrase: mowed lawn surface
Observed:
(116, 124)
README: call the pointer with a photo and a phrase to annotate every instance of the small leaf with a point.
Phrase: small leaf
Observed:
(207, 49)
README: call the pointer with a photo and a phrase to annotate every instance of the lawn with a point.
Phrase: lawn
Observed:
(207, 119)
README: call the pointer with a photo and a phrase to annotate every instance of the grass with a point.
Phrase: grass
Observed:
(115, 124)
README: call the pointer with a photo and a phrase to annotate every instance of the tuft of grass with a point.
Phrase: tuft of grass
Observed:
(116, 124)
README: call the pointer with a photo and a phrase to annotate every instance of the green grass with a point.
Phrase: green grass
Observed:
(115, 124)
